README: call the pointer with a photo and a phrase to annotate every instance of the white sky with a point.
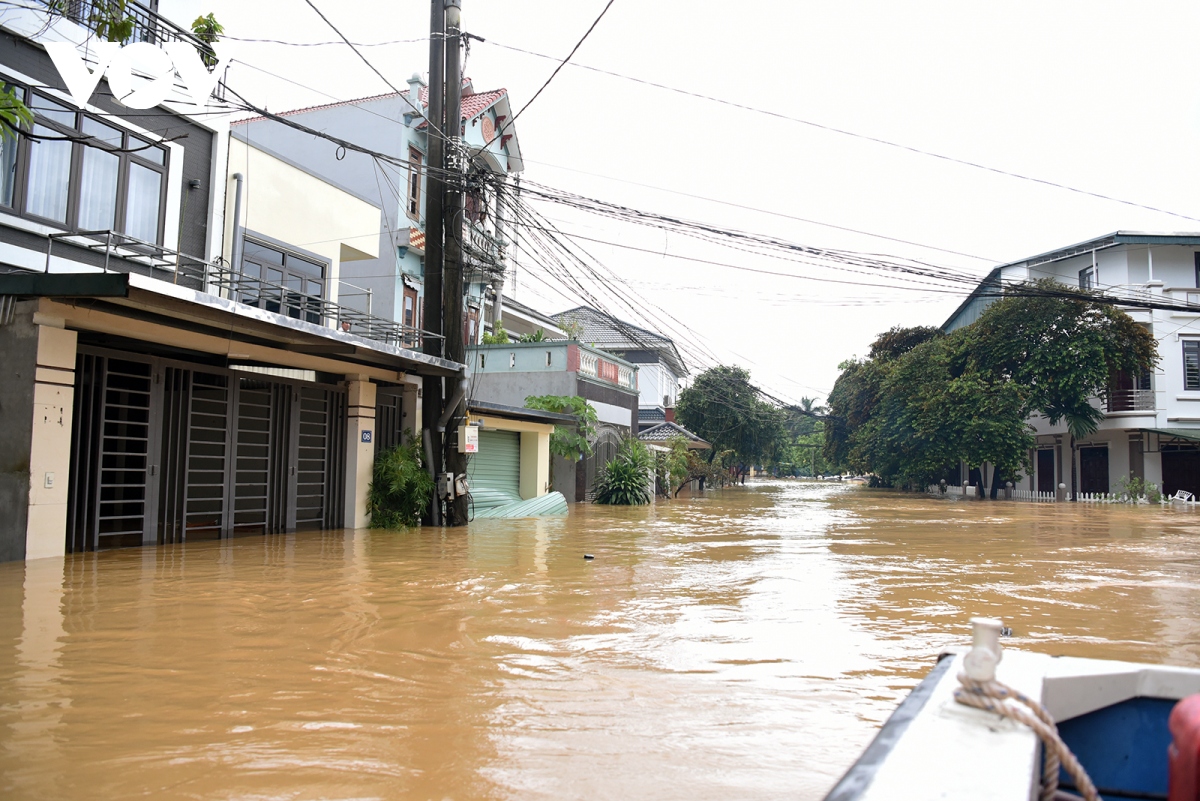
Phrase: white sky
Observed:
(1096, 95)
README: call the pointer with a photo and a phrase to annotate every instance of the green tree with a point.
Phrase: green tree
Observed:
(498, 336)
(724, 408)
(14, 114)
(924, 400)
(1065, 350)
(569, 442)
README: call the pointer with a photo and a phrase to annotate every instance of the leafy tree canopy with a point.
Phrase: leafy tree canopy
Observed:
(923, 400)
(724, 408)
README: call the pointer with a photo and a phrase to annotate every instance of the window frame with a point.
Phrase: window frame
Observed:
(80, 141)
(415, 161)
(305, 309)
(1087, 278)
(1192, 383)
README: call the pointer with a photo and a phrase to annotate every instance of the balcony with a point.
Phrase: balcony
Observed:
(554, 356)
(484, 249)
(119, 253)
(147, 25)
(595, 365)
(1130, 400)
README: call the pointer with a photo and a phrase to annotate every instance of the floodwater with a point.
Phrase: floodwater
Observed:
(741, 645)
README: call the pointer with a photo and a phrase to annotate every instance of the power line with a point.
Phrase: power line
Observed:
(856, 135)
(557, 69)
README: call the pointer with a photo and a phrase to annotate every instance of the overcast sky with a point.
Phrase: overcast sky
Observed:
(1095, 95)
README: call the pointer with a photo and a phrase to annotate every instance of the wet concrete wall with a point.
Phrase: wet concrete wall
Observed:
(18, 344)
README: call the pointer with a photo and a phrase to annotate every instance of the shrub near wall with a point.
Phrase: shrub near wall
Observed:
(625, 481)
(401, 487)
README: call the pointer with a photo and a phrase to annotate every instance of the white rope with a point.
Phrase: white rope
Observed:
(993, 696)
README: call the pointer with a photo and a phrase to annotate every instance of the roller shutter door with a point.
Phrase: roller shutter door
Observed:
(495, 472)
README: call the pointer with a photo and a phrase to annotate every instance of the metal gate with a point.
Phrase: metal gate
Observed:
(320, 458)
(163, 452)
(110, 505)
(194, 457)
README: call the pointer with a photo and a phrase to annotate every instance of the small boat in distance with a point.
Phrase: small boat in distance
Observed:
(968, 730)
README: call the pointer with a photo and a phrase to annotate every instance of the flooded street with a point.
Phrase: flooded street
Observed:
(741, 645)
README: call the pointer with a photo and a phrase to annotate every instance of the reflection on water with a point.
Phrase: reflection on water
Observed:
(744, 644)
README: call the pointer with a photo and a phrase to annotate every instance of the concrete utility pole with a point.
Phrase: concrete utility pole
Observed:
(431, 408)
(452, 286)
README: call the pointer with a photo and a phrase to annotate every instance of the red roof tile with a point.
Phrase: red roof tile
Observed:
(472, 104)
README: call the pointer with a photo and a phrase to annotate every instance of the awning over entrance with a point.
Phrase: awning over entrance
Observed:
(1186, 434)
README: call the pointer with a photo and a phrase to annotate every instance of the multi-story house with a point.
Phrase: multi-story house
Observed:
(508, 374)
(1151, 425)
(394, 125)
(660, 367)
(180, 362)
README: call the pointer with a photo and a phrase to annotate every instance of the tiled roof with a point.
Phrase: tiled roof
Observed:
(665, 431)
(610, 333)
(322, 107)
(472, 104)
(651, 414)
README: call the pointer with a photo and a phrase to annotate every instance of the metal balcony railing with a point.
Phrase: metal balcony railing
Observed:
(1130, 400)
(147, 25)
(125, 254)
(485, 248)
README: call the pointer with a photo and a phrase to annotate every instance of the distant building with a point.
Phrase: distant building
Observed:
(660, 367)
(1151, 425)
(508, 374)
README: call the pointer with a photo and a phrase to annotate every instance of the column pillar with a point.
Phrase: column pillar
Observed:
(50, 447)
(36, 404)
(360, 448)
(535, 463)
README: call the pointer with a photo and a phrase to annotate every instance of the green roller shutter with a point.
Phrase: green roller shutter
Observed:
(495, 472)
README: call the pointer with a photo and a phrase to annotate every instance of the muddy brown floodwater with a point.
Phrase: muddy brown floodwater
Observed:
(741, 645)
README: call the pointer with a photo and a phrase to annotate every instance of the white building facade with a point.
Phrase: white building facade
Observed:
(1151, 425)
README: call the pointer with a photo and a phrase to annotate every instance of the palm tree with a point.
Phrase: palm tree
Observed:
(1082, 421)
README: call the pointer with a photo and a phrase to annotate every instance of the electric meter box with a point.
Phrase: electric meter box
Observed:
(468, 439)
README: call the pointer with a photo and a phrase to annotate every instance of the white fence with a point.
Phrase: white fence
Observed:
(1033, 495)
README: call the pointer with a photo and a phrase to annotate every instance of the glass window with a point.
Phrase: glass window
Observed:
(98, 189)
(49, 175)
(1087, 278)
(144, 150)
(8, 169)
(105, 133)
(261, 253)
(1191, 364)
(141, 208)
(52, 110)
(74, 169)
(303, 266)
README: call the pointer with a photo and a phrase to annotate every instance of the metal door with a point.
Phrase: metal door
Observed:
(194, 462)
(496, 469)
(262, 445)
(319, 457)
(109, 500)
